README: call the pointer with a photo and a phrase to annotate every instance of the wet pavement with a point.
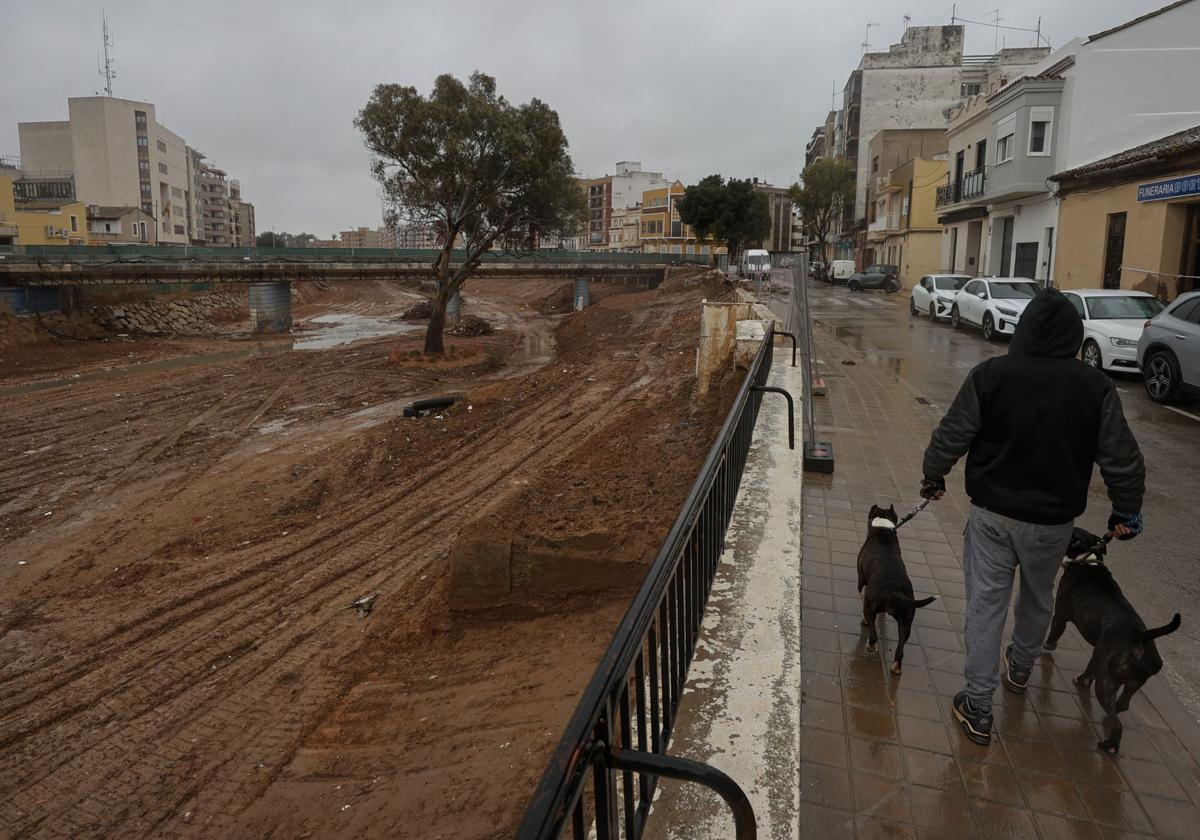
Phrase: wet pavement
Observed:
(1160, 570)
(881, 754)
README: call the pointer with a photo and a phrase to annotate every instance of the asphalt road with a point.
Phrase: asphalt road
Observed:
(1160, 570)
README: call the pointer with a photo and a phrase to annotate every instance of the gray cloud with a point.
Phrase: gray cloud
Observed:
(268, 90)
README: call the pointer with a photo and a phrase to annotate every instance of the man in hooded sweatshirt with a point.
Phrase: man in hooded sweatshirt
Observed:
(1031, 423)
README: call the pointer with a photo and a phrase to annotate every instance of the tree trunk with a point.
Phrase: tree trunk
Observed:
(437, 319)
(437, 323)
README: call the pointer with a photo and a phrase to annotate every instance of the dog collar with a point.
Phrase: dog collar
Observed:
(1089, 559)
(880, 522)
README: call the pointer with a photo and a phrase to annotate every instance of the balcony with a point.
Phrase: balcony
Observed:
(973, 185)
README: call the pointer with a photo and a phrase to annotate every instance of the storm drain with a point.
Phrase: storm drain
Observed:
(923, 401)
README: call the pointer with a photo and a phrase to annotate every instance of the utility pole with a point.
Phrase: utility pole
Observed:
(108, 73)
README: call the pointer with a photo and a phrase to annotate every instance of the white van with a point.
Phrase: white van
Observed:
(754, 262)
(840, 270)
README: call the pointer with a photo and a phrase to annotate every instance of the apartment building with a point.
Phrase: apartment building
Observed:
(241, 218)
(661, 230)
(888, 152)
(216, 227)
(911, 86)
(822, 144)
(782, 238)
(46, 222)
(115, 153)
(905, 231)
(616, 192)
(364, 237)
(1097, 98)
(118, 155)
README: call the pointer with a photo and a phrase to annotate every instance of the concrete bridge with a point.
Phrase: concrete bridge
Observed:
(33, 277)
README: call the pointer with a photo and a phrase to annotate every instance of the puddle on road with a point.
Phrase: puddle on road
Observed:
(344, 328)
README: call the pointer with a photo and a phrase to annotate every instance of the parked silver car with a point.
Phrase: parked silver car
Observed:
(1168, 352)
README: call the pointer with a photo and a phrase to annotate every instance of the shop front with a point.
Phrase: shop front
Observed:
(1133, 221)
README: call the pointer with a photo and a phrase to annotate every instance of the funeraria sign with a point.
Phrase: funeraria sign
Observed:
(1170, 188)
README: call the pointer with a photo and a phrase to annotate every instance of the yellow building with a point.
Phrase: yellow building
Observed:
(662, 231)
(905, 232)
(1132, 221)
(36, 223)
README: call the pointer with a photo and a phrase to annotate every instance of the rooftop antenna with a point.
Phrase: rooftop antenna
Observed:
(108, 72)
(866, 44)
(907, 21)
(996, 29)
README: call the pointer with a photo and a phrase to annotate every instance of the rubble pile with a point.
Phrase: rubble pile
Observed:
(191, 316)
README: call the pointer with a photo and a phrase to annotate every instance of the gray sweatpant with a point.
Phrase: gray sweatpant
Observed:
(994, 548)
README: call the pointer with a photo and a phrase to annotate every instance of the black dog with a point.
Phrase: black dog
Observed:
(883, 580)
(1123, 651)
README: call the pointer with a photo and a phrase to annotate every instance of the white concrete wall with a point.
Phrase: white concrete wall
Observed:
(104, 148)
(909, 97)
(170, 190)
(45, 147)
(1031, 218)
(1131, 87)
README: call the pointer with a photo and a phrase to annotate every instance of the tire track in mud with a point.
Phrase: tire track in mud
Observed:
(374, 548)
(251, 633)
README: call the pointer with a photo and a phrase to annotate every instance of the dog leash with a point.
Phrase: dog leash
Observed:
(914, 512)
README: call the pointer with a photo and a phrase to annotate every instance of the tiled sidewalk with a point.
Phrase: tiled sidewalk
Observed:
(881, 755)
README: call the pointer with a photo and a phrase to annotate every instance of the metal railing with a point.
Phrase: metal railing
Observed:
(187, 253)
(972, 185)
(601, 778)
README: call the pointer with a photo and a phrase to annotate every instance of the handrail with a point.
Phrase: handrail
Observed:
(632, 697)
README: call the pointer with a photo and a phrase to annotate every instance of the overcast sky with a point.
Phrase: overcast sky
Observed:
(269, 90)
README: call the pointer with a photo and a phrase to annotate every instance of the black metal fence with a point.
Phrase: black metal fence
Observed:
(601, 778)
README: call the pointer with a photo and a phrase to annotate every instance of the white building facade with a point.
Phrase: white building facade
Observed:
(1090, 99)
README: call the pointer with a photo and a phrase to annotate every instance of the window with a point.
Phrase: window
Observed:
(74, 223)
(141, 141)
(176, 192)
(1005, 131)
(974, 287)
(162, 147)
(162, 168)
(139, 117)
(1078, 304)
(144, 165)
(1040, 120)
(970, 88)
(179, 229)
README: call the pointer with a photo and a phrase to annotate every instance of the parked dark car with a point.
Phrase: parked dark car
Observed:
(884, 277)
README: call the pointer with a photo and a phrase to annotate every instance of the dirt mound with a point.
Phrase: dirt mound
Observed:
(676, 278)
(472, 325)
(420, 311)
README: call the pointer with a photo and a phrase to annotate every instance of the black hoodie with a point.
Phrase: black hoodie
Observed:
(1033, 422)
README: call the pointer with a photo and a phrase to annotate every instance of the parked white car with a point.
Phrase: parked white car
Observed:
(933, 295)
(1113, 320)
(994, 304)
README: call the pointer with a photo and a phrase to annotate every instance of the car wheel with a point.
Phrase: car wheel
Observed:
(892, 287)
(912, 308)
(989, 327)
(955, 318)
(932, 312)
(1091, 355)
(1161, 376)
(854, 286)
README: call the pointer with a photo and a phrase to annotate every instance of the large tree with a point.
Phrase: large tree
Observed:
(478, 169)
(732, 211)
(825, 185)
